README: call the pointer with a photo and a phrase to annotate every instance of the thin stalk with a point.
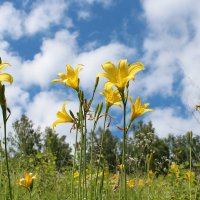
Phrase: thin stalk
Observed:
(190, 152)
(101, 185)
(148, 166)
(6, 150)
(91, 164)
(74, 159)
(124, 100)
(85, 149)
(96, 118)
(101, 148)
(83, 139)
(81, 159)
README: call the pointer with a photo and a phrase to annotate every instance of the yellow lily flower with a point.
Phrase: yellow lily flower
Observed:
(5, 76)
(122, 75)
(27, 181)
(112, 97)
(138, 109)
(70, 78)
(63, 117)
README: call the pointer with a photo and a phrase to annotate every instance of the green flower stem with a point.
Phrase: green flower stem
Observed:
(124, 100)
(83, 145)
(101, 148)
(81, 153)
(74, 159)
(4, 109)
(85, 149)
(102, 180)
(91, 165)
(190, 156)
(96, 118)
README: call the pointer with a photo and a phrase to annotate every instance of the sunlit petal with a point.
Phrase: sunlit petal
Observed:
(6, 77)
(63, 116)
(4, 65)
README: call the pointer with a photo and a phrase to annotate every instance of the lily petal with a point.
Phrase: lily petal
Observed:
(6, 77)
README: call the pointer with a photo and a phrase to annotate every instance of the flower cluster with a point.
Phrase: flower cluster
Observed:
(118, 77)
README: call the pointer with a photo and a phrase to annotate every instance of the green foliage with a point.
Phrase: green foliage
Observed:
(58, 147)
(27, 139)
(144, 143)
(109, 149)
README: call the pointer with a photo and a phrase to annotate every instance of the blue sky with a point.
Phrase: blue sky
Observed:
(40, 37)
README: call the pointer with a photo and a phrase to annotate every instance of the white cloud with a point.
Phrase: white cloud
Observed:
(172, 61)
(171, 48)
(45, 66)
(63, 49)
(40, 18)
(44, 14)
(83, 14)
(167, 121)
(10, 20)
(104, 3)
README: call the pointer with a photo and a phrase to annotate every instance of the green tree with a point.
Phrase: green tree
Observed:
(27, 140)
(58, 147)
(179, 148)
(145, 142)
(109, 148)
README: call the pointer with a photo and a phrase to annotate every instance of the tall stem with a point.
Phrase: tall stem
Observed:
(124, 100)
(74, 159)
(81, 153)
(124, 153)
(4, 108)
(85, 149)
(101, 148)
(190, 152)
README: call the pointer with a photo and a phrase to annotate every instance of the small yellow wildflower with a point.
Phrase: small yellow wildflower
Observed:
(175, 169)
(76, 174)
(141, 183)
(121, 75)
(114, 178)
(27, 181)
(138, 109)
(151, 174)
(130, 183)
(189, 175)
(63, 117)
(70, 78)
(121, 166)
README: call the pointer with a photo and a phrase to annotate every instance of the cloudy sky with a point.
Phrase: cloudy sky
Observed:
(40, 37)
